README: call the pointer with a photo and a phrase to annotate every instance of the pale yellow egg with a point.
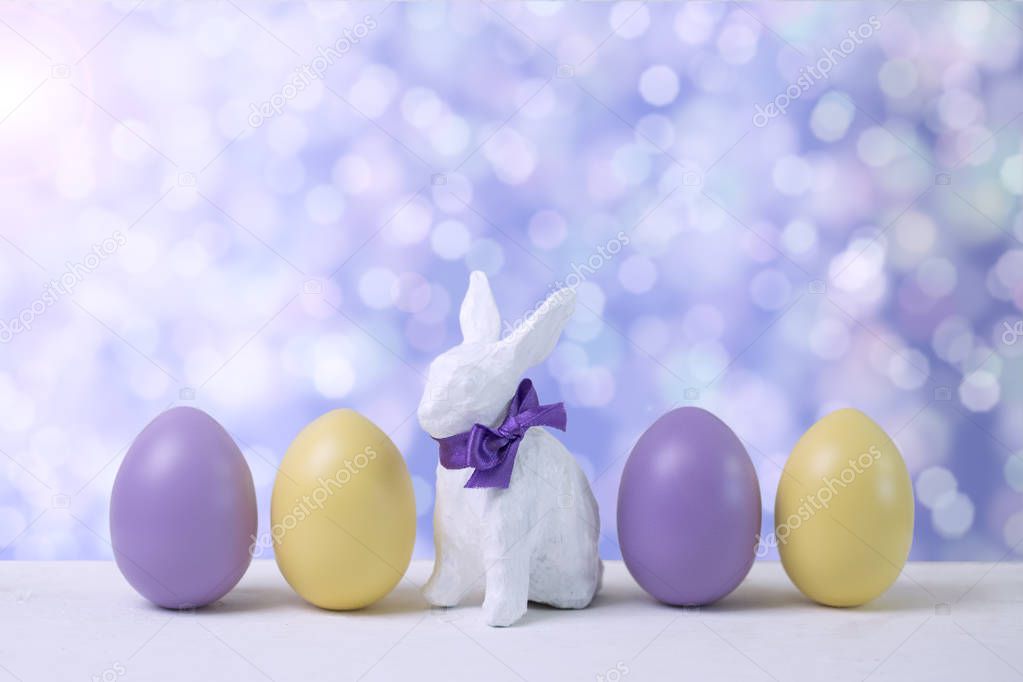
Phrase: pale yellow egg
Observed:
(844, 511)
(343, 513)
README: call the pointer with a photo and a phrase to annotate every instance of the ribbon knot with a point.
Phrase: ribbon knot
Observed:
(491, 452)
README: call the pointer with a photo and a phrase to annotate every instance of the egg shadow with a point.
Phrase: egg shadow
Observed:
(748, 596)
(239, 600)
(902, 597)
(405, 598)
(899, 597)
(753, 597)
(244, 599)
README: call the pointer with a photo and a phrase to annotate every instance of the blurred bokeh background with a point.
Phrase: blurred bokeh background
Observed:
(270, 210)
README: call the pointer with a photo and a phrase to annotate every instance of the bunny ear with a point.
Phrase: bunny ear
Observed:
(536, 337)
(479, 318)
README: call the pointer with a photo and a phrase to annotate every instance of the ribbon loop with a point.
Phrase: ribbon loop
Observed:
(491, 452)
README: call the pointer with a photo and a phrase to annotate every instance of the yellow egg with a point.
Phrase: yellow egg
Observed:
(343, 513)
(844, 511)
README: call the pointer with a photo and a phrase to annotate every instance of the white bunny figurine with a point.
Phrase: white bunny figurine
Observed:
(535, 539)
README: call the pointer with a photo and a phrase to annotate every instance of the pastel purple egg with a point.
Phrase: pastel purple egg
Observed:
(183, 511)
(689, 509)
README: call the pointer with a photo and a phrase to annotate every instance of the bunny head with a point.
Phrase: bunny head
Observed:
(473, 382)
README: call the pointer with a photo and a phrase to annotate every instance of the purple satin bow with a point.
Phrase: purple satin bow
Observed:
(491, 452)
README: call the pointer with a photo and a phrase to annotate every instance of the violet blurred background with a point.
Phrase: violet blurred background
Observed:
(271, 210)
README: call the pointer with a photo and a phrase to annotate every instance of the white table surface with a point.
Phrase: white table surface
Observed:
(80, 620)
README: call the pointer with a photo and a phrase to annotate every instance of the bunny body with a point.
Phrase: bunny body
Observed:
(537, 539)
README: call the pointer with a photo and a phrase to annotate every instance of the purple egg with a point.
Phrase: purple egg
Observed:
(183, 511)
(689, 509)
